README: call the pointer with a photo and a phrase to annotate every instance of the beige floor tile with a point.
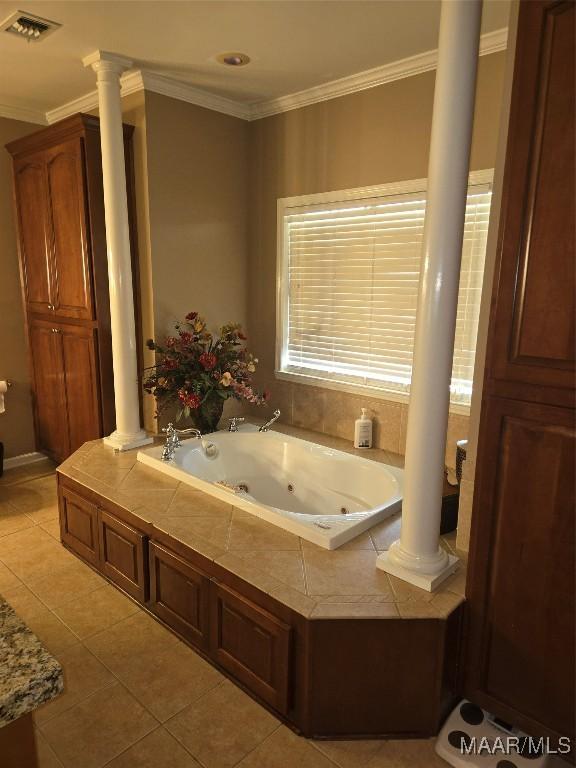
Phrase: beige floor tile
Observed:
(7, 578)
(52, 528)
(344, 573)
(96, 611)
(98, 729)
(12, 519)
(284, 565)
(33, 554)
(46, 626)
(83, 676)
(222, 727)
(407, 753)
(157, 750)
(161, 671)
(349, 754)
(284, 748)
(46, 755)
(65, 583)
(33, 496)
(47, 514)
(250, 533)
(28, 472)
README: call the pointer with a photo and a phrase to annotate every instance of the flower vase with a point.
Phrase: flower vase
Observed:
(208, 414)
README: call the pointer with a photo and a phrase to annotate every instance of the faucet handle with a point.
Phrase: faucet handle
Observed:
(169, 430)
(233, 423)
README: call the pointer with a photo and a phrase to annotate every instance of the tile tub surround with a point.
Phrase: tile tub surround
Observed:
(29, 674)
(333, 413)
(315, 583)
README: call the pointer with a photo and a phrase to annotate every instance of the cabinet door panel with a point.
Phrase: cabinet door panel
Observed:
(79, 525)
(34, 231)
(123, 555)
(81, 380)
(521, 596)
(534, 335)
(179, 595)
(49, 391)
(72, 282)
(251, 644)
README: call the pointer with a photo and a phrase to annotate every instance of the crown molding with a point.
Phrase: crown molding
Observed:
(176, 89)
(138, 80)
(23, 114)
(492, 42)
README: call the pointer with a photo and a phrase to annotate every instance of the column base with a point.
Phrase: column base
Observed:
(426, 575)
(123, 442)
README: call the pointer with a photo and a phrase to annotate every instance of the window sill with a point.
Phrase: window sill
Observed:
(358, 390)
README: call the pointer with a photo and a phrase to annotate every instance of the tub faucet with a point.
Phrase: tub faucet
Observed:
(275, 417)
(173, 439)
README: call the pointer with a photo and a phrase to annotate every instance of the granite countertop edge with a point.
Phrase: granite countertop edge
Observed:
(29, 674)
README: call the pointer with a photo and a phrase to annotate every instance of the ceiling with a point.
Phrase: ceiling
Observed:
(294, 45)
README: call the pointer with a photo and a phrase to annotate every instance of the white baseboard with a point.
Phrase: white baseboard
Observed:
(24, 458)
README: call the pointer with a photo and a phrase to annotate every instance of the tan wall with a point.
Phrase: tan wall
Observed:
(197, 185)
(467, 485)
(373, 137)
(16, 424)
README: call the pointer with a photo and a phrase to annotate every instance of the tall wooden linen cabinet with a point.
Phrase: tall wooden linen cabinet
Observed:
(62, 248)
(520, 591)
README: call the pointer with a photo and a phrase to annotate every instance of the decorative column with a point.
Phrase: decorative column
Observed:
(417, 557)
(128, 433)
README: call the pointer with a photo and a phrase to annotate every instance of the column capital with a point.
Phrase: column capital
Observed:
(104, 61)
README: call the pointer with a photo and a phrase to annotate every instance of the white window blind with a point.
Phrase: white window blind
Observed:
(349, 277)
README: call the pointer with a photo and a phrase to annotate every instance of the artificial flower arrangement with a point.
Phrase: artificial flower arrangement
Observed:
(197, 371)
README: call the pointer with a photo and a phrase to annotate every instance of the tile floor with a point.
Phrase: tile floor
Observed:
(135, 696)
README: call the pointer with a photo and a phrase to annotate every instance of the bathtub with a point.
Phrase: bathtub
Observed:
(325, 496)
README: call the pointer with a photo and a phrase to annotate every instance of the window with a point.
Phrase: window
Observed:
(348, 273)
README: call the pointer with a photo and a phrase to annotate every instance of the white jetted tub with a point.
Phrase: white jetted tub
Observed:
(325, 496)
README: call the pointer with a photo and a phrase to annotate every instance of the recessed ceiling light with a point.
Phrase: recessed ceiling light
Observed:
(233, 59)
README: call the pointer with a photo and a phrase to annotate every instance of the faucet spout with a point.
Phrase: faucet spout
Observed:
(275, 417)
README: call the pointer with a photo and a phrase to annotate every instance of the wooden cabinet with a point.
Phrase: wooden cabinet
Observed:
(123, 555)
(65, 385)
(251, 644)
(31, 195)
(179, 595)
(520, 649)
(64, 273)
(49, 394)
(70, 255)
(79, 525)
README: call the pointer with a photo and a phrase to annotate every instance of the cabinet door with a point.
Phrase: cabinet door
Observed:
(79, 525)
(49, 391)
(521, 574)
(252, 644)
(179, 595)
(71, 261)
(34, 232)
(123, 555)
(79, 356)
(533, 337)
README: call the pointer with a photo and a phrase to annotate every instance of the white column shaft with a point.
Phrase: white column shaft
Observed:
(418, 550)
(128, 433)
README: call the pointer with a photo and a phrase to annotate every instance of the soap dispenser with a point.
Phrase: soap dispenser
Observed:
(363, 431)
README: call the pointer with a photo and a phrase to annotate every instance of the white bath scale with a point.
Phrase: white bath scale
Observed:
(473, 738)
(325, 496)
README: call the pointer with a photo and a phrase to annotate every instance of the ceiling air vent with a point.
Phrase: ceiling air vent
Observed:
(29, 27)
